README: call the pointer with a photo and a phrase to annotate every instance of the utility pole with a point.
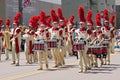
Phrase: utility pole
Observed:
(90, 2)
(20, 8)
(105, 3)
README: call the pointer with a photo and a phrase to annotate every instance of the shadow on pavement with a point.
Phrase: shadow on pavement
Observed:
(29, 65)
(106, 69)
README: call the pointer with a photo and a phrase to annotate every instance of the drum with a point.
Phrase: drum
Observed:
(106, 43)
(90, 49)
(52, 43)
(79, 46)
(104, 49)
(38, 46)
(97, 50)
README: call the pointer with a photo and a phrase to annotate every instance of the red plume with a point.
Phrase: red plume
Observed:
(105, 11)
(81, 14)
(8, 22)
(106, 18)
(112, 20)
(54, 15)
(16, 18)
(34, 22)
(89, 17)
(60, 15)
(48, 22)
(98, 20)
(1, 21)
(18, 15)
(65, 21)
(42, 18)
(71, 20)
(98, 16)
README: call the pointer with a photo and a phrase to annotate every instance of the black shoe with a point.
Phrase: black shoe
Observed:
(55, 66)
(7, 58)
(17, 64)
(40, 69)
(47, 66)
(13, 63)
(63, 62)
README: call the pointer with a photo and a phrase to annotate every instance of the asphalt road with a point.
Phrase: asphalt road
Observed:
(67, 72)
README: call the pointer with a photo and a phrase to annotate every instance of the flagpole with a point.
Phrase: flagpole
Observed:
(20, 8)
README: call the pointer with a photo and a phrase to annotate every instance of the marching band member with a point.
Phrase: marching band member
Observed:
(112, 29)
(1, 35)
(33, 27)
(48, 24)
(66, 35)
(81, 36)
(61, 48)
(55, 35)
(42, 38)
(107, 34)
(7, 44)
(31, 41)
(61, 35)
(89, 36)
(99, 38)
(16, 40)
(70, 35)
(47, 35)
(35, 55)
(26, 36)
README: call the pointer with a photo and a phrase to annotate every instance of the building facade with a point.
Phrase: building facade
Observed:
(9, 8)
(71, 7)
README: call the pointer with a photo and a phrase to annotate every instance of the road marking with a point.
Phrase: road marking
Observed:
(22, 75)
(32, 73)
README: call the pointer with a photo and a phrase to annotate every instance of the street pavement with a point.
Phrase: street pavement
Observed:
(67, 72)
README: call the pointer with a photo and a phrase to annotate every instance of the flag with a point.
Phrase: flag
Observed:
(112, 9)
(27, 3)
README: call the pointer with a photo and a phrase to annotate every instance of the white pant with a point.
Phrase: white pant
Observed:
(55, 53)
(26, 53)
(6, 53)
(0, 49)
(15, 56)
(42, 55)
